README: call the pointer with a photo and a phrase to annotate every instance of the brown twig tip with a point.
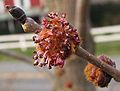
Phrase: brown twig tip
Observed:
(17, 13)
(28, 24)
(7, 7)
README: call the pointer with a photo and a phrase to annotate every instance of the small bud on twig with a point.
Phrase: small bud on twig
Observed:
(17, 13)
(28, 24)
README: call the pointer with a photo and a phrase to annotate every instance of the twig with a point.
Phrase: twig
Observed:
(95, 61)
(79, 50)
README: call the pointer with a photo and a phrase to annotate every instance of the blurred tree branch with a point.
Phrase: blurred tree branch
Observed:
(25, 59)
(16, 56)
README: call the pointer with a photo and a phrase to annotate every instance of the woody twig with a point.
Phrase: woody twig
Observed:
(29, 25)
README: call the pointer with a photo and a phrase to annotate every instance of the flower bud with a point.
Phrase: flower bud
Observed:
(17, 13)
(28, 24)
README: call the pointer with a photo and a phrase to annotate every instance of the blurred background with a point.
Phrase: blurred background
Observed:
(98, 23)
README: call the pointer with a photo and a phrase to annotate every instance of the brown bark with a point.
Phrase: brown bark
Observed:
(82, 23)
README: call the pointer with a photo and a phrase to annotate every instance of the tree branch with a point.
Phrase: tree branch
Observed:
(16, 56)
(79, 52)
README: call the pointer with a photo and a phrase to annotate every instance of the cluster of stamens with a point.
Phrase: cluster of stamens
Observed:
(56, 40)
(96, 75)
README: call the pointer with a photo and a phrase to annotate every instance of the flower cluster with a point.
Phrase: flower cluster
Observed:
(56, 40)
(96, 75)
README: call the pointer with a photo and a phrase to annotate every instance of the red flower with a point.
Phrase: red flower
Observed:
(96, 75)
(55, 42)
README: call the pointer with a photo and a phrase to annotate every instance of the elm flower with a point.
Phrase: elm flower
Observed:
(56, 41)
(96, 75)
